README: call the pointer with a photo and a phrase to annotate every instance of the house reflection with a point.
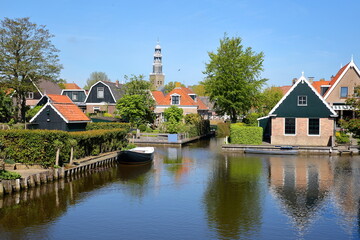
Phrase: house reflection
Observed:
(176, 163)
(301, 185)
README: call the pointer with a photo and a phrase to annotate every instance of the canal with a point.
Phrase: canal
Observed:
(195, 192)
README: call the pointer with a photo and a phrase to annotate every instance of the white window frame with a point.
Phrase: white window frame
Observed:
(98, 90)
(75, 96)
(302, 101)
(96, 109)
(308, 127)
(176, 95)
(347, 92)
(289, 134)
(30, 95)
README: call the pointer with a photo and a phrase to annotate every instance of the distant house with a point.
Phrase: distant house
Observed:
(59, 113)
(301, 117)
(40, 89)
(182, 97)
(102, 97)
(76, 94)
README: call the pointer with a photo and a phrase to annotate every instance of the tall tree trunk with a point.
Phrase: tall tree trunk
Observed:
(23, 108)
(71, 155)
(233, 116)
(57, 157)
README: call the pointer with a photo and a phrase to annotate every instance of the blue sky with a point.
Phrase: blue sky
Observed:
(118, 37)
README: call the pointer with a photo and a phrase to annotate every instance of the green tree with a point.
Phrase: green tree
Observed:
(199, 89)
(173, 116)
(268, 99)
(132, 109)
(136, 85)
(32, 112)
(170, 86)
(233, 77)
(6, 106)
(26, 57)
(94, 78)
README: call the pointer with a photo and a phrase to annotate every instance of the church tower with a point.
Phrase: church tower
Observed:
(157, 77)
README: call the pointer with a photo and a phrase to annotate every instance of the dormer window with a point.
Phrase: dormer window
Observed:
(193, 96)
(302, 101)
(30, 95)
(175, 100)
(100, 92)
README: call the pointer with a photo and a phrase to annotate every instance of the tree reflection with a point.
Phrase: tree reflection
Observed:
(233, 199)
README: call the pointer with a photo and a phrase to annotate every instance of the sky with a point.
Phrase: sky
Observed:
(118, 37)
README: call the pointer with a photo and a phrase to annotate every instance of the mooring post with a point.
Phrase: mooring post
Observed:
(1, 189)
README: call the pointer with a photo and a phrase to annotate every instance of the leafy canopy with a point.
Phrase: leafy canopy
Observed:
(170, 86)
(26, 57)
(233, 80)
(6, 106)
(94, 78)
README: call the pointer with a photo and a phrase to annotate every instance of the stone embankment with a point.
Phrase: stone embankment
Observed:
(35, 177)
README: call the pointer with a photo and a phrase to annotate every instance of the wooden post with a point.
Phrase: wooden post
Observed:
(71, 155)
(57, 157)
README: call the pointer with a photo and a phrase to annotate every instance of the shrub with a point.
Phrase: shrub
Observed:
(6, 175)
(192, 118)
(245, 135)
(142, 127)
(107, 125)
(251, 119)
(342, 137)
(223, 129)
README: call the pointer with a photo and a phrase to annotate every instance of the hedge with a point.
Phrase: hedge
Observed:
(38, 146)
(223, 129)
(245, 135)
(107, 125)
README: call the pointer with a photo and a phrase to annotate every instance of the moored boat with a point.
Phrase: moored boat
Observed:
(138, 155)
(276, 152)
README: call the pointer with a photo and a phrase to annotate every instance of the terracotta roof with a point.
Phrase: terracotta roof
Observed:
(59, 98)
(285, 89)
(71, 86)
(70, 112)
(185, 99)
(338, 74)
(317, 85)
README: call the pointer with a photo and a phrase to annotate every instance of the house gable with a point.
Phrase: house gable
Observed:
(315, 106)
(92, 97)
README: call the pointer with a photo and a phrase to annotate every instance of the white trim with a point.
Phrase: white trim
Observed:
(42, 109)
(261, 118)
(104, 91)
(351, 64)
(308, 125)
(37, 88)
(171, 99)
(302, 79)
(167, 106)
(292, 134)
(302, 104)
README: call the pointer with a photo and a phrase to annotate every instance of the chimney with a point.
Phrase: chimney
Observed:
(117, 83)
(294, 81)
(331, 78)
(311, 79)
(177, 84)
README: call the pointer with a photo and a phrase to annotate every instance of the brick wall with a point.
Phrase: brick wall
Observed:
(301, 137)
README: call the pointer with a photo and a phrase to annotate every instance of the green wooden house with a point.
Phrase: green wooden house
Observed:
(300, 118)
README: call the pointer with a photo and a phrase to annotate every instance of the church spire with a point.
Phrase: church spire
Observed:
(157, 77)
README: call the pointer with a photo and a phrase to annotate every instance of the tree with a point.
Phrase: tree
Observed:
(94, 78)
(170, 86)
(173, 116)
(26, 57)
(132, 109)
(268, 99)
(136, 85)
(199, 89)
(6, 106)
(233, 80)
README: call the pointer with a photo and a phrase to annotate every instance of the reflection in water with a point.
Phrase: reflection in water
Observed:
(221, 196)
(233, 199)
(301, 184)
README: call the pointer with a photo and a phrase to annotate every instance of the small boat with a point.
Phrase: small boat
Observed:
(138, 155)
(276, 152)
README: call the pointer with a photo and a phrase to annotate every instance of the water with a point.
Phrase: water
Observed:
(196, 192)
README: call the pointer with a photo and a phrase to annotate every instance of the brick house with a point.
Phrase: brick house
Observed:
(76, 94)
(181, 97)
(301, 117)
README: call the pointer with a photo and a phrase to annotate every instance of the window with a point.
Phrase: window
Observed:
(75, 96)
(302, 100)
(344, 92)
(314, 126)
(100, 92)
(30, 95)
(289, 125)
(96, 109)
(175, 100)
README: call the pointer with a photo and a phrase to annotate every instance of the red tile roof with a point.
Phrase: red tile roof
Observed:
(317, 85)
(285, 89)
(59, 98)
(70, 112)
(71, 86)
(185, 99)
(338, 74)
